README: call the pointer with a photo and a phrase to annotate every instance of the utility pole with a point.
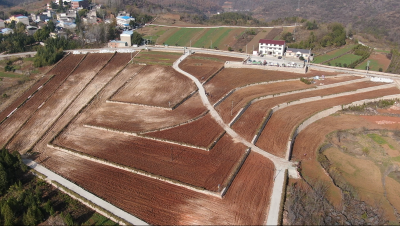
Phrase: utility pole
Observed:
(367, 68)
(246, 48)
(232, 108)
(211, 44)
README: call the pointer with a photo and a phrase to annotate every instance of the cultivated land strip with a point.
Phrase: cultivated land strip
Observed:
(87, 195)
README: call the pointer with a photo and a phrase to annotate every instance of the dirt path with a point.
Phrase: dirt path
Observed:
(280, 164)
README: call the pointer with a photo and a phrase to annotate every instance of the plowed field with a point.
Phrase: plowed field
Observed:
(126, 117)
(202, 66)
(252, 118)
(19, 117)
(275, 136)
(157, 202)
(157, 58)
(156, 86)
(240, 98)
(200, 133)
(188, 165)
(58, 102)
(231, 78)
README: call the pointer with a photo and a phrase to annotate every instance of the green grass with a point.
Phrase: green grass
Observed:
(218, 41)
(155, 36)
(159, 53)
(378, 139)
(397, 159)
(10, 75)
(211, 34)
(333, 54)
(346, 59)
(182, 37)
(373, 65)
(98, 219)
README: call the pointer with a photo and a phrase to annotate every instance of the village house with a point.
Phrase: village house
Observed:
(79, 3)
(124, 21)
(19, 18)
(30, 30)
(2, 24)
(126, 36)
(292, 52)
(116, 44)
(271, 47)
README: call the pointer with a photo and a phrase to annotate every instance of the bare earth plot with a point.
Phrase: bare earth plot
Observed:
(156, 86)
(274, 137)
(241, 97)
(202, 66)
(10, 126)
(160, 203)
(249, 123)
(58, 102)
(230, 78)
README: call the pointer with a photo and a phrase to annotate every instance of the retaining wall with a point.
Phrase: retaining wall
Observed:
(231, 64)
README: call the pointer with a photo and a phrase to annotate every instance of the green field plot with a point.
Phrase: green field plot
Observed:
(216, 35)
(10, 75)
(346, 59)
(155, 36)
(333, 54)
(219, 42)
(183, 36)
(373, 65)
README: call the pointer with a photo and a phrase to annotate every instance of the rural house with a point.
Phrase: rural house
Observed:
(116, 44)
(79, 3)
(2, 24)
(291, 52)
(123, 21)
(271, 47)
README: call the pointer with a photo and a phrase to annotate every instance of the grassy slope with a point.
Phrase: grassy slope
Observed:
(333, 54)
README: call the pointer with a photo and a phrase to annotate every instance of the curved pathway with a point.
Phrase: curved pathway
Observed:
(281, 164)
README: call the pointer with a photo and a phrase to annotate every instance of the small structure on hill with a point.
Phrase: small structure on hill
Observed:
(126, 36)
(305, 53)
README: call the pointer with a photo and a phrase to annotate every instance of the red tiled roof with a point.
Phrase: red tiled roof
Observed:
(273, 42)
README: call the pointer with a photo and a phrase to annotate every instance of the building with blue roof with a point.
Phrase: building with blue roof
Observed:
(124, 21)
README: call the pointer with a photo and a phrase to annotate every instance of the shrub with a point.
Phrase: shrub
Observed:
(380, 69)
(306, 81)
(230, 48)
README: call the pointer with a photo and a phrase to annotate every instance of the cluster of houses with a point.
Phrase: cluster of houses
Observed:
(66, 20)
(278, 48)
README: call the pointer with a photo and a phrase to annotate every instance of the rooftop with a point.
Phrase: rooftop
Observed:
(298, 50)
(273, 42)
(124, 17)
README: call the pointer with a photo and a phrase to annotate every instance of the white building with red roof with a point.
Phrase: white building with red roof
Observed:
(271, 47)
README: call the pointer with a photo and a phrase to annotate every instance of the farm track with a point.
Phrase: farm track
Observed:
(13, 124)
(252, 119)
(42, 119)
(282, 123)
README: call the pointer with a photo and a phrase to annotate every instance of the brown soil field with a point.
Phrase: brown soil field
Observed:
(252, 118)
(156, 86)
(231, 78)
(332, 80)
(386, 121)
(49, 112)
(202, 66)
(192, 166)
(10, 126)
(274, 137)
(200, 133)
(395, 109)
(126, 117)
(159, 203)
(262, 34)
(93, 90)
(157, 58)
(275, 32)
(241, 97)
(9, 82)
